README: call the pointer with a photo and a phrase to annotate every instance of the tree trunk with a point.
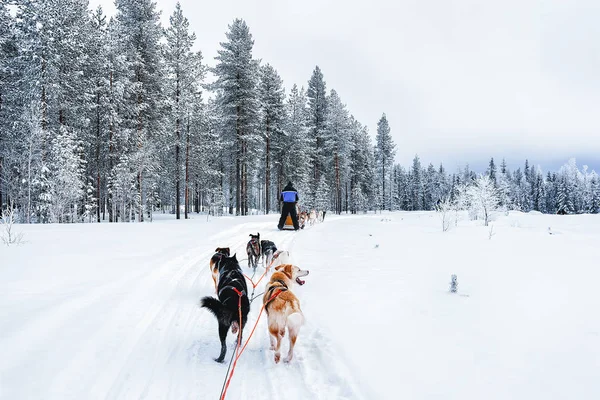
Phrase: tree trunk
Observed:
(178, 139)
(383, 183)
(109, 195)
(1, 161)
(187, 169)
(268, 173)
(44, 111)
(98, 202)
(238, 164)
(140, 168)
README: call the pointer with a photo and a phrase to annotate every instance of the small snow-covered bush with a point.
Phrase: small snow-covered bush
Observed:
(7, 232)
(444, 209)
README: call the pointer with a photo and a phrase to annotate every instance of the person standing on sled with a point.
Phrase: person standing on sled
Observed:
(289, 197)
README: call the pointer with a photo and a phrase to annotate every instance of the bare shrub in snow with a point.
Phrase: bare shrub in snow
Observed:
(444, 209)
(491, 232)
(8, 234)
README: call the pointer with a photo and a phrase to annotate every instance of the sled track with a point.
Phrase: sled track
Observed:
(157, 343)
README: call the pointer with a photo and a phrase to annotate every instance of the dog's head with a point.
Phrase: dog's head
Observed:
(292, 272)
(222, 250)
(227, 263)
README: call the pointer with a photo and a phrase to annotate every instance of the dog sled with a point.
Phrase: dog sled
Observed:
(289, 224)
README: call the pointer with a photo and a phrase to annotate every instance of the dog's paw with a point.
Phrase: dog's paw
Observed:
(220, 360)
(287, 360)
(277, 358)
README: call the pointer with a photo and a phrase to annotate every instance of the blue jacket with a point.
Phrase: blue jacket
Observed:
(289, 195)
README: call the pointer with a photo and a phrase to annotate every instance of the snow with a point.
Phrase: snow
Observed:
(93, 311)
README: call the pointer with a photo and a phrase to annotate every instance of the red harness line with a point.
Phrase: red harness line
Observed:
(238, 352)
(254, 285)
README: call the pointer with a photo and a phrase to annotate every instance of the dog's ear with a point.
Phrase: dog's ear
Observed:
(279, 267)
(234, 257)
(226, 249)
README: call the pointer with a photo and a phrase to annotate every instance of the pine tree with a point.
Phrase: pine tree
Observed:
(292, 156)
(416, 185)
(323, 196)
(237, 78)
(317, 112)
(337, 147)
(185, 72)
(385, 150)
(272, 95)
(144, 111)
(7, 51)
(595, 194)
(361, 165)
(491, 172)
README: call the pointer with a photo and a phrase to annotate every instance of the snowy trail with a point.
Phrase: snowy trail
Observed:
(148, 338)
(110, 311)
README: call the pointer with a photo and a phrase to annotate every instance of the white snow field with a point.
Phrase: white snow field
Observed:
(110, 311)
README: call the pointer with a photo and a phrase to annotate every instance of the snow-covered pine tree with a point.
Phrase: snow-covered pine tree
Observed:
(416, 185)
(272, 96)
(317, 113)
(550, 193)
(537, 190)
(144, 107)
(361, 165)
(184, 75)
(323, 195)
(337, 148)
(292, 157)
(503, 183)
(430, 188)
(384, 155)
(491, 171)
(237, 79)
(98, 131)
(594, 193)
(7, 51)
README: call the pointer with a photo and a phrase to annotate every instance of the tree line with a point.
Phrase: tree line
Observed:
(113, 119)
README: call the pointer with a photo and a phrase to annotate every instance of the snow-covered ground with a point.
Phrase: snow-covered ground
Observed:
(103, 311)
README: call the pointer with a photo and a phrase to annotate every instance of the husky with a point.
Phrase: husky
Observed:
(281, 257)
(253, 250)
(283, 310)
(215, 261)
(225, 308)
(268, 249)
(312, 217)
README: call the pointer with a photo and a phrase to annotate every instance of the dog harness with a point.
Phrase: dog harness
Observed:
(282, 287)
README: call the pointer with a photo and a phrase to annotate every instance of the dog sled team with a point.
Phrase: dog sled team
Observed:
(281, 305)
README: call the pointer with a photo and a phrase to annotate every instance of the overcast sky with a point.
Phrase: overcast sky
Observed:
(460, 81)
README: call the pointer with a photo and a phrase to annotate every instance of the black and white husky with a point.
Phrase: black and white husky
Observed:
(225, 308)
(267, 248)
(253, 250)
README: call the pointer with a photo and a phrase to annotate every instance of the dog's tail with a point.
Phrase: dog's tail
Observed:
(217, 308)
